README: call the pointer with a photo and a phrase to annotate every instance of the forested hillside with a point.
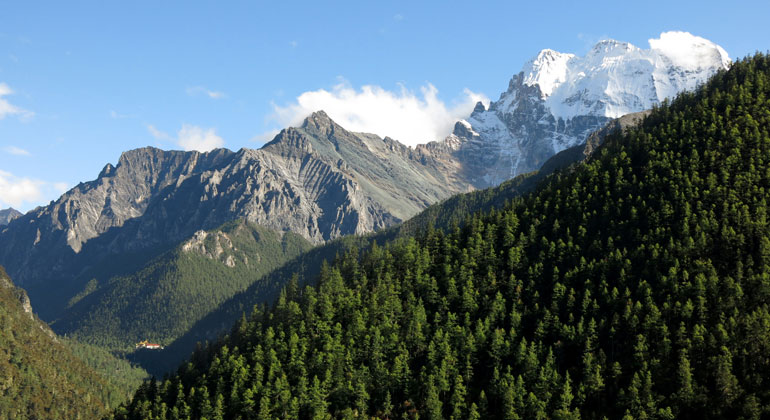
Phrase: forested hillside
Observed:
(162, 299)
(40, 378)
(307, 265)
(635, 286)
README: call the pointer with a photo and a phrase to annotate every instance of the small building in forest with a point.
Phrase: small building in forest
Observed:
(147, 345)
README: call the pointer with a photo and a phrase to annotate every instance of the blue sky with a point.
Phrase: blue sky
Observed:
(80, 82)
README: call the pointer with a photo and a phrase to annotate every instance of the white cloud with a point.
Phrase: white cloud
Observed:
(687, 50)
(200, 90)
(293, 44)
(192, 137)
(159, 135)
(7, 108)
(18, 151)
(23, 193)
(61, 187)
(16, 191)
(118, 116)
(403, 115)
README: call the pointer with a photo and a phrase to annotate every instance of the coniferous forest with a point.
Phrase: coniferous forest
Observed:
(634, 285)
(43, 377)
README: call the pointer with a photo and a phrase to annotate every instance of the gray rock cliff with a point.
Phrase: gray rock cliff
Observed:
(7, 215)
(317, 180)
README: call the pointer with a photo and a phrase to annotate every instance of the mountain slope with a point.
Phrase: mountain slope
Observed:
(6, 215)
(305, 268)
(318, 181)
(39, 375)
(558, 99)
(634, 286)
(165, 297)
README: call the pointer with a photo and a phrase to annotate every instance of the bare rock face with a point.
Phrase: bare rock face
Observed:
(217, 246)
(42, 243)
(7, 215)
(317, 180)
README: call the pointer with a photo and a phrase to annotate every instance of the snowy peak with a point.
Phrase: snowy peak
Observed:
(616, 78)
(558, 99)
(548, 70)
(611, 48)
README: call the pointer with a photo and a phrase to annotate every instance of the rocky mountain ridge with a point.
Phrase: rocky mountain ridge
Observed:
(317, 180)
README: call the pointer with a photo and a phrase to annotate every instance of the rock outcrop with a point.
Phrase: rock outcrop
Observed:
(7, 215)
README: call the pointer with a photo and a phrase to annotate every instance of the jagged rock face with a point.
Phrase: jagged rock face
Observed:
(7, 215)
(43, 242)
(558, 100)
(317, 180)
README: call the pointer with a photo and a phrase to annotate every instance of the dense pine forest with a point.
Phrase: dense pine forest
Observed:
(634, 285)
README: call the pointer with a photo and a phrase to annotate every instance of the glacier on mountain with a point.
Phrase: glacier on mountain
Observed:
(558, 99)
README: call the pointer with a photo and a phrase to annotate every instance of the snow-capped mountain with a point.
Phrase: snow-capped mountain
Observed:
(558, 99)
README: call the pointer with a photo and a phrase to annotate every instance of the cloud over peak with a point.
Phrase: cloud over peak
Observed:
(190, 137)
(409, 117)
(688, 50)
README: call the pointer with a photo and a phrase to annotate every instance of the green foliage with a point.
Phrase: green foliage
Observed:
(40, 378)
(635, 286)
(113, 367)
(170, 293)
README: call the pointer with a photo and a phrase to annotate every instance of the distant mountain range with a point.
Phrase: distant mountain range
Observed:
(633, 285)
(176, 247)
(318, 181)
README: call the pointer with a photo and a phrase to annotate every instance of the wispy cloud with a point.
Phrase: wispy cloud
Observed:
(61, 187)
(7, 108)
(118, 116)
(190, 137)
(18, 151)
(159, 135)
(293, 44)
(409, 117)
(200, 90)
(23, 192)
(398, 17)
